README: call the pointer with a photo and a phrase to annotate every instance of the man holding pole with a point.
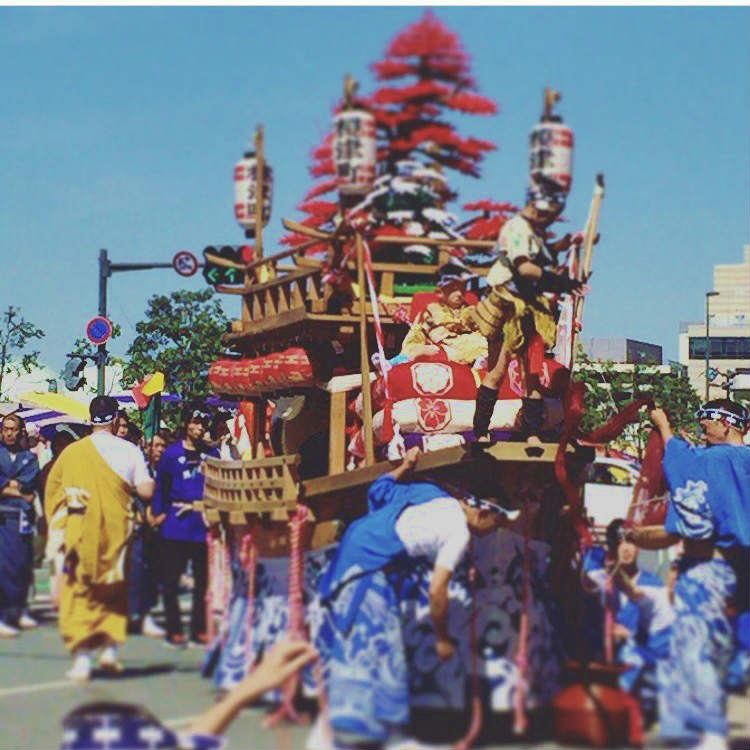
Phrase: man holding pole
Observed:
(708, 511)
(517, 310)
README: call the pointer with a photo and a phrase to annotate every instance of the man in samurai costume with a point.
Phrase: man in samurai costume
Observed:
(448, 324)
(365, 671)
(19, 470)
(517, 309)
(642, 612)
(708, 510)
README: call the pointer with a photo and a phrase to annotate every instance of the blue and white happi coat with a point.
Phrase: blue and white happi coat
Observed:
(16, 529)
(710, 501)
(649, 622)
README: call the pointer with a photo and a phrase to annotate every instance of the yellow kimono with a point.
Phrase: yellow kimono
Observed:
(88, 509)
(453, 329)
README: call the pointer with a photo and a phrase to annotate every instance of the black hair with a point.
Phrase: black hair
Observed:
(114, 708)
(728, 405)
(614, 534)
(196, 406)
(165, 435)
(103, 407)
(60, 441)
(23, 438)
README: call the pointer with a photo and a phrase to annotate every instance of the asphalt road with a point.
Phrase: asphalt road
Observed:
(34, 695)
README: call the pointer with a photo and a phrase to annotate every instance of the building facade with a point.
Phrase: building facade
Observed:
(728, 331)
(627, 351)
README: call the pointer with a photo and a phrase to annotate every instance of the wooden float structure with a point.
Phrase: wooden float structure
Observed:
(286, 298)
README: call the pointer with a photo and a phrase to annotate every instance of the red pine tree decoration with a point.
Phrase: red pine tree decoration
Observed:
(409, 116)
(428, 75)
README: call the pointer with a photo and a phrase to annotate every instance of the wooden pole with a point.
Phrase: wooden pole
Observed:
(260, 168)
(364, 356)
(588, 254)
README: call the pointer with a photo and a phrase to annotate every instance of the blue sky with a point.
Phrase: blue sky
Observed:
(120, 128)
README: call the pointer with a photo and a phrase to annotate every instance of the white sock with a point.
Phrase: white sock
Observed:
(711, 741)
(109, 653)
(82, 661)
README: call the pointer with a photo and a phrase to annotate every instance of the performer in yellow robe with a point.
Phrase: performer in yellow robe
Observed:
(447, 324)
(88, 504)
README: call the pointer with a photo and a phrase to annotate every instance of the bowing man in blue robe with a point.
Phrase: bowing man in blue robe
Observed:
(364, 666)
(708, 511)
(19, 470)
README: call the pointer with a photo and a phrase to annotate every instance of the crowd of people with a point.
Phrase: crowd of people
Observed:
(107, 577)
(121, 528)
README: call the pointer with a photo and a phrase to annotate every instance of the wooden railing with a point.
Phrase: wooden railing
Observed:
(247, 490)
(275, 296)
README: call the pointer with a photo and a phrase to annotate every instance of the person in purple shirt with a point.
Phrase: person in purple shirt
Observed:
(179, 483)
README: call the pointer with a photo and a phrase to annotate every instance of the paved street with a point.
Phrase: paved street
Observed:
(34, 695)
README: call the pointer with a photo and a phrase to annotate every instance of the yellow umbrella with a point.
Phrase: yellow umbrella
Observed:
(58, 402)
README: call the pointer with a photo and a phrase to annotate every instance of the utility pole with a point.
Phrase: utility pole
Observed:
(106, 269)
(708, 342)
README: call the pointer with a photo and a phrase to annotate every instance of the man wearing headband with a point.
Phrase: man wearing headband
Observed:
(88, 505)
(360, 641)
(516, 306)
(447, 325)
(708, 510)
(179, 483)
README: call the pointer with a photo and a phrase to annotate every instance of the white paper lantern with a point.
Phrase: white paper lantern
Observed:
(245, 192)
(551, 154)
(354, 151)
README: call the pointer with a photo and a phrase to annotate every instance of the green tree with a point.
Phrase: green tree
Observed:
(16, 335)
(181, 336)
(609, 388)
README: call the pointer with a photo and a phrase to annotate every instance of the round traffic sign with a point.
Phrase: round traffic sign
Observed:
(185, 263)
(98, 330)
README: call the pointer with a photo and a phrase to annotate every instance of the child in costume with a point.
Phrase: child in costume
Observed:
(447, 324)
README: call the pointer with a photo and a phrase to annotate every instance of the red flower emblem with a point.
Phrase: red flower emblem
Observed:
(433, 414)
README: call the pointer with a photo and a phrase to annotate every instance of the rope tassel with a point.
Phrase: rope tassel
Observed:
(475, 723)
(212, 541)
(296, 626)
(520, 719)
(249, 561)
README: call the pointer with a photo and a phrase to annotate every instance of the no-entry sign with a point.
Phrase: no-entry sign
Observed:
(98, 330)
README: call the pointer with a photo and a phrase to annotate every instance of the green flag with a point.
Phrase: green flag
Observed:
(152, 417)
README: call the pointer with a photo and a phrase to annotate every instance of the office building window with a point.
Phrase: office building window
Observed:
(722, 347)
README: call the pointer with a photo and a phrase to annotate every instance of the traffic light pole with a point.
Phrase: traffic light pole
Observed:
(106, 269)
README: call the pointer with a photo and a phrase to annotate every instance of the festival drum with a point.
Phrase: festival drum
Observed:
(354, 151)
(268, 374)
(219, 375)
(551, 155)
(295, 367)
(245, 191)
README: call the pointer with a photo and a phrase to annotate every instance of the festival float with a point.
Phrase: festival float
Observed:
(329, 399)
